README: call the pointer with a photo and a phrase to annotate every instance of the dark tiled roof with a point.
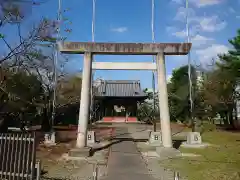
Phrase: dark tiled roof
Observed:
(120, 88)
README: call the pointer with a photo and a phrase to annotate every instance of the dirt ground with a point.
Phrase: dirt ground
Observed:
(66, 140)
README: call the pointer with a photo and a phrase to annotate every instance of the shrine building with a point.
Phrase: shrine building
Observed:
(116, 100)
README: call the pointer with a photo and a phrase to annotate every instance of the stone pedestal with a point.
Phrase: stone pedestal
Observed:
(167, 153)
(155, 139)
(91, 137)
(194, 140)
(50, 139)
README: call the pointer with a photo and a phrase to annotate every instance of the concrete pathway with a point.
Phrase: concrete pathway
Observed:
(125, 161)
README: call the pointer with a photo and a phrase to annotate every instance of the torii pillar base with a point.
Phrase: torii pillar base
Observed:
(167, 153)
(80, 152)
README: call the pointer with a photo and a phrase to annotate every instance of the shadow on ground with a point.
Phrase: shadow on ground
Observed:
(115, 140)
(177, 143)
(53, 178)
(233, 129)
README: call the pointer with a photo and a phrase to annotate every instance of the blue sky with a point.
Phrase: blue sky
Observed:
(212, 23)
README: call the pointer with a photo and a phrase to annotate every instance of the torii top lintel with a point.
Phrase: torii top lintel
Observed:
(125, 48)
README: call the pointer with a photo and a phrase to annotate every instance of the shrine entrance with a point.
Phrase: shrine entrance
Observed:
(117, 100)
(157, 49)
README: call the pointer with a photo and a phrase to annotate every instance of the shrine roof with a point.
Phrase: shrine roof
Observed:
(120, 88)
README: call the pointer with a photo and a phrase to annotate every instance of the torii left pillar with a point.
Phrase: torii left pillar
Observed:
(84, 112)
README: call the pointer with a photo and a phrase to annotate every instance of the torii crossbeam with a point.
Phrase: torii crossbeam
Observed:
(125, 48)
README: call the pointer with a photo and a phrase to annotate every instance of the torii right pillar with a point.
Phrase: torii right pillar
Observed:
(163, 101)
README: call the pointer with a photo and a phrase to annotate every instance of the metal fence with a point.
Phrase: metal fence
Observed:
(17, 155)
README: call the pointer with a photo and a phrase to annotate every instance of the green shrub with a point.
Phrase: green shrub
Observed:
(208, 127)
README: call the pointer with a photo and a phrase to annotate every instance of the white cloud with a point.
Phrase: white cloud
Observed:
(176, 32)
(177, 61)
(231, 10)
(207, 54)
(200, 3)
(212, 24)
(193, 31)
(177, 1)
(169, 77)
(197, 23)
(170, 29)
(199, 40)
(203, 3)
(182, 13)
(180, 34)
(120, 29)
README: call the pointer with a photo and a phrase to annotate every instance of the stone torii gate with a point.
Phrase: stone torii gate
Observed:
(90, 49)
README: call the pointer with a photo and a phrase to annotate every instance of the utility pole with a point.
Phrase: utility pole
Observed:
(189, 70)
(153, 73)
(56, 57)
(50, 139)
(92, 78)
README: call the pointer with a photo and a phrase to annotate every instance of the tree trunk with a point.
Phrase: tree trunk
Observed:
(230, 116)
(4, 123)
(3, 127)
(154, 126)
(225, 119)
(231, 120)
(46, 127)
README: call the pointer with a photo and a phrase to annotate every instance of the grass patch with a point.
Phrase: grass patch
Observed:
(221, 161)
